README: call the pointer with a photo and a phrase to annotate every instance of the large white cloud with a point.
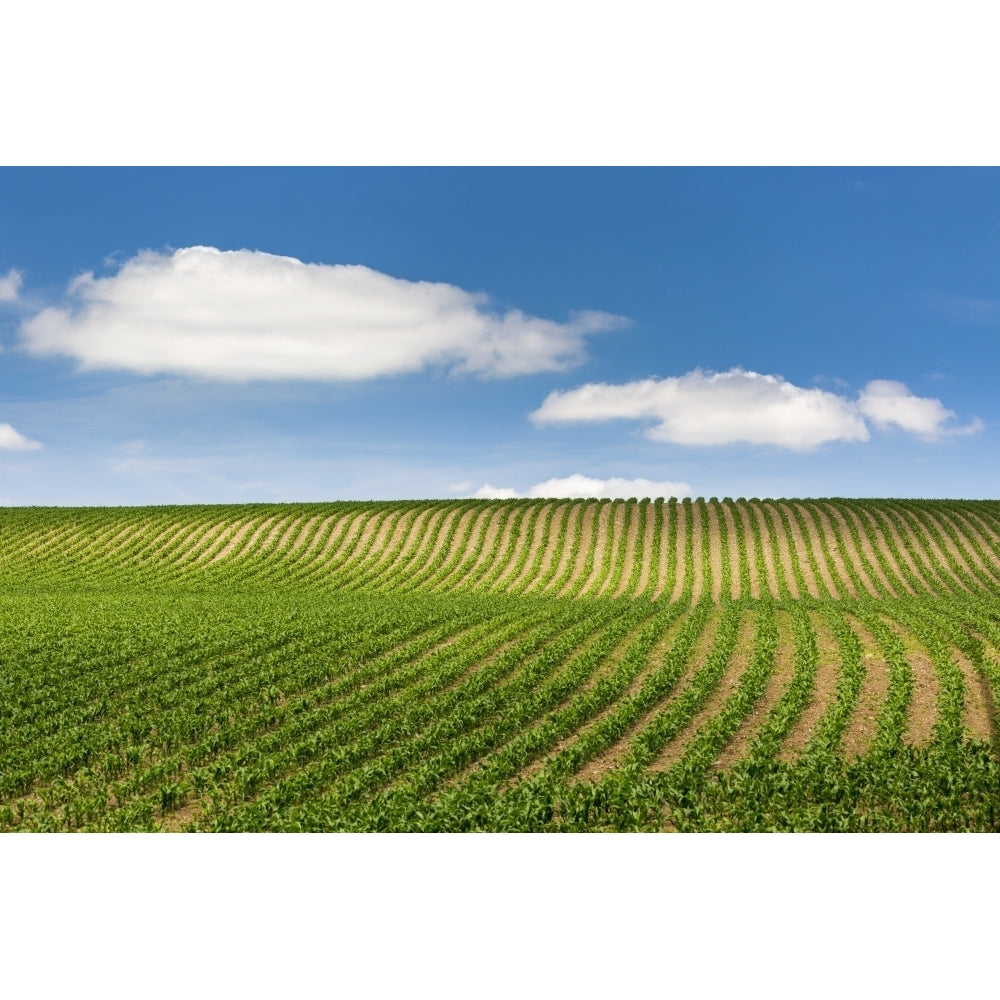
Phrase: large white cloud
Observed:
(244, 314)
(10, 285)
(886, 402)
(716, 408)
(11, 440)
(579, 486)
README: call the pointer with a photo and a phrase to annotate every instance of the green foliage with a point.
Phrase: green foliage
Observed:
(466, 665)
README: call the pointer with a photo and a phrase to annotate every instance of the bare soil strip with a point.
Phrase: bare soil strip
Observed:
(612, 757)
(575, 515)
(840, 516)
(252, 540)
(340, 540)
(978, 709)
(472, 550)
(227, 549)
(929, 548)
(966, 559)
(784, 553)
(586, 543)
(714, 550)
(618, 540)
(777, 684)
(600, 547)
(824, 691)
(824, 543)
(802, 551)
(930, 570)
(735, 669)
(888, 528)
(862, 727)
(677, 511)
(751, 549)
(968, 530)
(898, 581)
(734, 552)
(922, 712)
(647, 555)
(698, 574)
(653, 661)
(631, 553)
(550, 536)
(530, 524)
(464, 533)
(767, 552)
(486, 548)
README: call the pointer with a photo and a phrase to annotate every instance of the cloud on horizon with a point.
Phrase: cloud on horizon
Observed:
(10, 285)
(702, 409)
(580, 487)
(244, 314)
(12, 440)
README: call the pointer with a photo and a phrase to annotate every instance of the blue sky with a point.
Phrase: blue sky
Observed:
(712, 332)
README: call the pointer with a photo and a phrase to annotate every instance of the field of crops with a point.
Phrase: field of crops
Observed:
(501, 665)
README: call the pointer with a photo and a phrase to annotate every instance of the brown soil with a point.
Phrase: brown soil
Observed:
(475, 549)
(530, 524)
(922, 711)
(460, 543)
(802, 549)
(603, 544)
(882, 530)
(340, 540)
(928, 547)
(777, 684)
(824, 542)
(751, 549)
(965, 527)
(698, 575)
(549, 536)
(631, 550)
(646, 554)
(714, 550)
(923, 574)
(734, 551)
(770, 569)
(586, 541)
(784, 553)
(497, 533)
(966, 559)
(575, 515)
(612, 757)
(866, 548)
(824, 691)
(234, 540)
(979, 710)
(252, 540)
(863, 725)
(735, 669)
(678, 555)
(618, 539)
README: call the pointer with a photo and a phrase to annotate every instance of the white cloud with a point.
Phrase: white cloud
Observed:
(244, 314)
(578, 486)
(10, 285)
(886, 402)
(11, 440)
(714, 408)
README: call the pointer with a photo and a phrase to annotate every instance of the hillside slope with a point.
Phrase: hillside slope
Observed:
(787, 549)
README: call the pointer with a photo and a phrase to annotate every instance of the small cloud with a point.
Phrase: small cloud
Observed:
(11, 440)
(580, 487)
(887, 403)
(244, 314)
(10, 285)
